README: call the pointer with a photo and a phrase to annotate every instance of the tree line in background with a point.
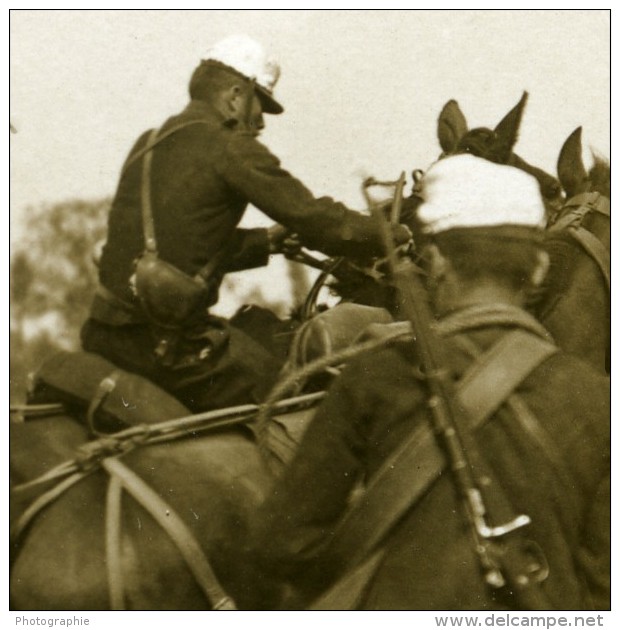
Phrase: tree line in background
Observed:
(54, 277)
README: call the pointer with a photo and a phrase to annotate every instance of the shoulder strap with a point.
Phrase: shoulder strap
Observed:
(154, 140)
(498, 372)
(414, 467)
(148, 224)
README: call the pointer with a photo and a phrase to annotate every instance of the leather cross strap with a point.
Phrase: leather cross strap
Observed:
(155, 139)
(419, 461)
(148, 225)
(491, 379)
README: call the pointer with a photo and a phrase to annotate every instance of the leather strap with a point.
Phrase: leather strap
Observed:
(113, 544)
(148, 224)
(594, 201)
(415, 466)
(491, 380)
(539, 438)
(152, 141)
(576, 208)
(42, 501)
(173, 525)
(571, 218)
(346, 593)
(595, 249)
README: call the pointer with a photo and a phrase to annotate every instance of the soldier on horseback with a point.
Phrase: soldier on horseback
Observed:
(172, 235)
(503, 503)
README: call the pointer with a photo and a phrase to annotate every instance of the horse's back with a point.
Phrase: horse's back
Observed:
(210, 481)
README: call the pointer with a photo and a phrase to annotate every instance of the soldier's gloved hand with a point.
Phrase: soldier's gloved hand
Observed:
(282, 241)
(291, 246)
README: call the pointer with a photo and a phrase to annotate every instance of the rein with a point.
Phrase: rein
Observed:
(570, 220)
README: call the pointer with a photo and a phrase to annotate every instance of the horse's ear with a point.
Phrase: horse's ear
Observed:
(507, 129)
(571, 170)
(451, 126)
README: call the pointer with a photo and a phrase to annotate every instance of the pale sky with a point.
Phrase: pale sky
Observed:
(362, 88)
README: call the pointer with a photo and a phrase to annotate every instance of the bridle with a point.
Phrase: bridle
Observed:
(570, 219)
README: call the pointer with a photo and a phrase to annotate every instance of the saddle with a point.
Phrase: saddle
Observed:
(101, 395)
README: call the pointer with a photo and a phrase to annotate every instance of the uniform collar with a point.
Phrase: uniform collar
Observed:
(205, 111)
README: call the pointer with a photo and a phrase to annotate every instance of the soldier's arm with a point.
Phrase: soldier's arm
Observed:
(251, 247)
(322, 223)
(292, 529)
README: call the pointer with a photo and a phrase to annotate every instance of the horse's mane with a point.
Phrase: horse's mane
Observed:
(484, 143)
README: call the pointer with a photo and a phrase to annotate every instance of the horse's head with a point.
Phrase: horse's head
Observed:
(574, 300)
(495, 145)
(588, 191)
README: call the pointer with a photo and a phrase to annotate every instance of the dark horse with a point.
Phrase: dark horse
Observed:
(575, 304)
(495, 145)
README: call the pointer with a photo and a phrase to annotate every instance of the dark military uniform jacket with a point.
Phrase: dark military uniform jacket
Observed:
(429, 562)
(202, 178)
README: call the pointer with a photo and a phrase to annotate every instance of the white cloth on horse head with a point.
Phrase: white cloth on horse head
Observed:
(464, 191)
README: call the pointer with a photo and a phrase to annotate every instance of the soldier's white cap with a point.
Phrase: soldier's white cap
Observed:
(464, 191)
(248, 58)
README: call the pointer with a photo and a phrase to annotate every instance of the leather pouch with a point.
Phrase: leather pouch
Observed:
(168, 295)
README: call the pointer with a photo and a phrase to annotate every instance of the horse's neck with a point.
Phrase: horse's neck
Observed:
(577, 310)
(599, 225)
(579, 319)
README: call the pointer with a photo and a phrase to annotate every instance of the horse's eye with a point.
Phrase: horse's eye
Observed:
(552, 190)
